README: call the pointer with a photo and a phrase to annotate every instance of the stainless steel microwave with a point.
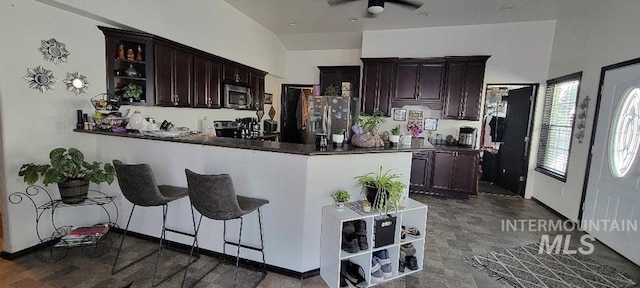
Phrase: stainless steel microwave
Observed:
(237, 97)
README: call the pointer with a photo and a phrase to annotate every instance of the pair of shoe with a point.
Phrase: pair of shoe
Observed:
(354, 236)
(380, 266)
(411, 232)
(353, 273)
(407, 258)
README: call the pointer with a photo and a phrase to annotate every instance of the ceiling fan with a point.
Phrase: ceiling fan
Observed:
(377, 6)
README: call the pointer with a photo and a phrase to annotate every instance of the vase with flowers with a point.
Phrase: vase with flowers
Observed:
(416, 128)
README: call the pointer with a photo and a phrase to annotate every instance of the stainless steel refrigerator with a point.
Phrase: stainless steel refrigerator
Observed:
(328, 115)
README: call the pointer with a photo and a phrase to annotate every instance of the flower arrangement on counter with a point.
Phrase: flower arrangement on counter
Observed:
(416, 128)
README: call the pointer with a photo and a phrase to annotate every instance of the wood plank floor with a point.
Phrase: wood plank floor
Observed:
(455, 229)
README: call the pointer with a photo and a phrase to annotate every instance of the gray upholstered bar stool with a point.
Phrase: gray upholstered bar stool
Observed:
(214, 197)
(139, 186)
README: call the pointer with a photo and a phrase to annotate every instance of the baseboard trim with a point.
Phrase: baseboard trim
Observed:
(243, 262)
(24, 252)
(550, 209)
(182, 247)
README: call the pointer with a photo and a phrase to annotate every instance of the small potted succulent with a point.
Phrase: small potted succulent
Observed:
(394, 138)
(337, 137)
(340, 197)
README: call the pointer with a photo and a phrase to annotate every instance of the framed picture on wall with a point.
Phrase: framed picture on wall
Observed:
(415, 115)
(399, 114)
(268, 98)
(430, 124)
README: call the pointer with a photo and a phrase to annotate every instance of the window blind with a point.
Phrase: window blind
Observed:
(557, 125)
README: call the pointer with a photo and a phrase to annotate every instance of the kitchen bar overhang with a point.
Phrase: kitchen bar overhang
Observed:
(297, 179)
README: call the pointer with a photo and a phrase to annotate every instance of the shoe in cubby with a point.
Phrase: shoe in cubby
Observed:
(377, 276)
(382, 257)
(353, 273)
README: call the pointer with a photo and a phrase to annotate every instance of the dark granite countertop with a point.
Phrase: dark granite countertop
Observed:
(272, 146)
(455, 148)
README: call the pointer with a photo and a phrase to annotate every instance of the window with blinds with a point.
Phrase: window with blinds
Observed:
(557, 125)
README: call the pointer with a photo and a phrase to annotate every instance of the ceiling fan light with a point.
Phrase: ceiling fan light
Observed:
(375, 9)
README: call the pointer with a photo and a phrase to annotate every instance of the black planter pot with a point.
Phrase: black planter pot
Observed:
(372, 192)
(74, 191)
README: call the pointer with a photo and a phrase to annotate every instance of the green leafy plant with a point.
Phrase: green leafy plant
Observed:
(67, 165)
(332, 90)
(396, 130)
(388, 188)
(132, 91)
(341, 196)
(339, 131)
(369, 123)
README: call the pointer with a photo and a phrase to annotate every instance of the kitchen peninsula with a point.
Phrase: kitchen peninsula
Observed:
(297, 179)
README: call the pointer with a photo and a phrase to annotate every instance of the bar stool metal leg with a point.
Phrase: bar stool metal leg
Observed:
(240, 245)
(158, 251)
(235, 277)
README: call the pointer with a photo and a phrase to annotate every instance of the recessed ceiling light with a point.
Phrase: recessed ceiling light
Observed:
(353, 19)
(506, 8)
(293, 23)
(423, 13)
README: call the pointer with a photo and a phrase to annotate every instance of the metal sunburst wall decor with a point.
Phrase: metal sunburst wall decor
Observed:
(76, 83)
(54, 51)
(40, 79)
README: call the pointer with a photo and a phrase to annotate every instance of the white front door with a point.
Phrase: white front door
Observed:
(612, 199)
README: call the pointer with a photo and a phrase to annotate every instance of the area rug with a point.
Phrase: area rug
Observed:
(524, 267)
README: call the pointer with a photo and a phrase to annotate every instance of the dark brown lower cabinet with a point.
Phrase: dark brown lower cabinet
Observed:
(421, 170)
(445, 172)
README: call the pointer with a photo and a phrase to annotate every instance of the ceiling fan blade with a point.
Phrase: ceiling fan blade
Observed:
(339, 2)
(414, 4)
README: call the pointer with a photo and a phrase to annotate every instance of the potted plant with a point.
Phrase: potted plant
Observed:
(340, 197)
(331, 90)
(337, 137)
(70, 171)
(366, 130)
(132, 92)
(383, 190)
(395, 135)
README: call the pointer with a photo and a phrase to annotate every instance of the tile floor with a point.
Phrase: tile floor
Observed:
(455, 229)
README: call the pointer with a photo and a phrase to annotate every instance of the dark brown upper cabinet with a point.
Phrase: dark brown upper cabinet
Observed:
(235, 72)
(174, 71)
(336, 75)
(256, 82)
(173, 74)
(463, 87)
(378, 80)
(419, 82)
(206, 82)
(117, 44)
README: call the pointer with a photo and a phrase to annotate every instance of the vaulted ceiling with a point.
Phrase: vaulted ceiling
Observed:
(315, 25)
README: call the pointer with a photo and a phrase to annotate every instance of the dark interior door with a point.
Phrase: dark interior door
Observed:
(289, 130)
(513, 158)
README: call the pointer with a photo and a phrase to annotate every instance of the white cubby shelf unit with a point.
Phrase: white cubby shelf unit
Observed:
(410, 214)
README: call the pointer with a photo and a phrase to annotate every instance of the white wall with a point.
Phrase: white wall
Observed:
(302, 66)
(209, 25)
(33, 123)
(588, 37)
